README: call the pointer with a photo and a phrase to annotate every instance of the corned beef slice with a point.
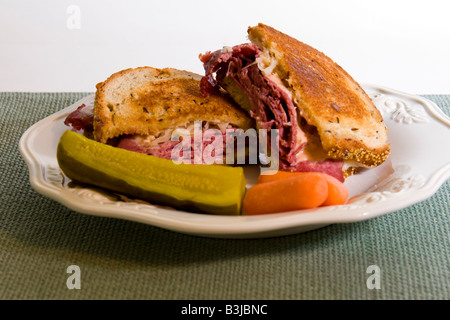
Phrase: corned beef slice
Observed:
(81, 119)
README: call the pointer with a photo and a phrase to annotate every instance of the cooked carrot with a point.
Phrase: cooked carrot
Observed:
(295, 193)
(337, 192)
(279, 175)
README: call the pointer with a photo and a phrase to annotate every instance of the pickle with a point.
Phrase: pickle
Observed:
(211, 189)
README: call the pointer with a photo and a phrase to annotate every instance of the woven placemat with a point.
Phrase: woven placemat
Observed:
(40, 239)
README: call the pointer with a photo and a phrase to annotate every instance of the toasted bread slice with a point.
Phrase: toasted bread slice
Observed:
(148, 101)
(327, 97)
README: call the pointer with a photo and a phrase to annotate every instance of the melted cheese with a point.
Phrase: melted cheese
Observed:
(267, 65)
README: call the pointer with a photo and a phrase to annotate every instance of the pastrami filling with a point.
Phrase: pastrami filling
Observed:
(271, 106)
(161, 146)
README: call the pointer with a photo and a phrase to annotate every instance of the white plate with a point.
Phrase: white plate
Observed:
(418, 165)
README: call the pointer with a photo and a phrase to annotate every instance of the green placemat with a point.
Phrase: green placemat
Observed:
(40, 239)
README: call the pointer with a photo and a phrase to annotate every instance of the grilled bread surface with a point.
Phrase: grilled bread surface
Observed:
(148, 101)
(326, 96)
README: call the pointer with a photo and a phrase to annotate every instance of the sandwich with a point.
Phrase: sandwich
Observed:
(325, 120)
(139, 109)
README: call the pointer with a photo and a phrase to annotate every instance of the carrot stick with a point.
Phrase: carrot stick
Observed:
(295, 193)
(337, 192)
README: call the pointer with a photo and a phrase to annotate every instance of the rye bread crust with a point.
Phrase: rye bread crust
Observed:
(148, 101)
(327, 97)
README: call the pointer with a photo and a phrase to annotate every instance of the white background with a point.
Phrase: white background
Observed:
(404, 45)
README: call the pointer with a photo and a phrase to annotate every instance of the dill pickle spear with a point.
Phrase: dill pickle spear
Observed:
(199, 188)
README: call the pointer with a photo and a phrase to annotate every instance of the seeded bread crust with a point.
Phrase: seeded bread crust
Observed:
(326, 96)
(148, 101)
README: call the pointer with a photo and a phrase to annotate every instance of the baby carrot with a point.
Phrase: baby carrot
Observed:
(279, 175)
(295, 193)
(337, 192)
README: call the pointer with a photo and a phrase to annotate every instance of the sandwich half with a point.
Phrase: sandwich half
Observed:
(138, 109)
(326, 121)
